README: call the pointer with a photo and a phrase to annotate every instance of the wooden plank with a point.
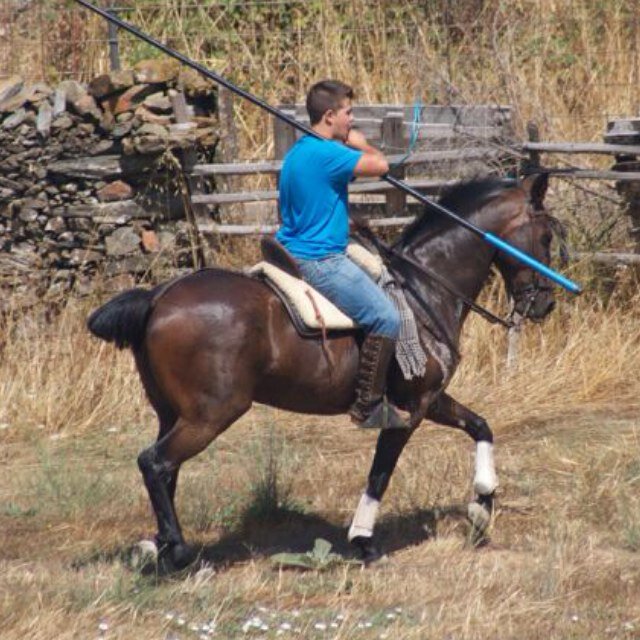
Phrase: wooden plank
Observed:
(451, 114)
(259, 229)
(609, 258)
(237, 168)
(380, 186)
(582, 147)
(440, 131)
(374, 186)
(588, 174)
(232, 198)
(421, 157)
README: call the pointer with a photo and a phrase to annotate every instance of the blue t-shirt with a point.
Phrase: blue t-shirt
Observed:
(313, 197)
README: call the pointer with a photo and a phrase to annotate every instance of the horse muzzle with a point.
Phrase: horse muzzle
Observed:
(535, 304)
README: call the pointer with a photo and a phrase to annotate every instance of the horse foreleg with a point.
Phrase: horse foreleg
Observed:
(388, 450)
(447, 411)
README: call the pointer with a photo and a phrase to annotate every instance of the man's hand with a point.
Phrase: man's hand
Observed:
(356, 140)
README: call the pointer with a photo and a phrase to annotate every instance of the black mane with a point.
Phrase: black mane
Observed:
(462, 199)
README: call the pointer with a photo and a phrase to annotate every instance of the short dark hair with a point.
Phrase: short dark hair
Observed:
(326, 95)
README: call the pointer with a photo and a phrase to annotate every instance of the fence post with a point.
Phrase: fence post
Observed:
(229, 150)
(531, 163)
(284, 137)
(393, 142)
(627, 131)
(114, 45)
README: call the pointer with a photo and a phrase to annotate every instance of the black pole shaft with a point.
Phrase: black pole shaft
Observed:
(267, 107)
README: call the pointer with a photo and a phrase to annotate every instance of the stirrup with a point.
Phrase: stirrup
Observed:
(383, 416)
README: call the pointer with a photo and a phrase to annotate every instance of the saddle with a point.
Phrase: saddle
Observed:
(311, 313)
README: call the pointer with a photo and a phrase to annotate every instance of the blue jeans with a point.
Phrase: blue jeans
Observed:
(346, 285)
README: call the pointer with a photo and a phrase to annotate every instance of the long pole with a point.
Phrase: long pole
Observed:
(489, 237)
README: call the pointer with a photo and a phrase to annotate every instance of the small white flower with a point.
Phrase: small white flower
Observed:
(391, 616)
(285, 626)
(103, 626)
(320, 626)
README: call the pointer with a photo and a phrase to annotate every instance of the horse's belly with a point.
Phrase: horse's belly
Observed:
(312, 380)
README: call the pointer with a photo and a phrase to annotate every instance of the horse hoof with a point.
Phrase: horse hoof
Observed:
(367, 551)
(182, 556)
(173, 559)
(478, 516)
(144, 555)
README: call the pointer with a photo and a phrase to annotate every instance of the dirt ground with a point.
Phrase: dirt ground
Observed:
(562, 560)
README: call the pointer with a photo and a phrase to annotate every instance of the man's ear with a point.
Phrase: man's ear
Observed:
(328, 116)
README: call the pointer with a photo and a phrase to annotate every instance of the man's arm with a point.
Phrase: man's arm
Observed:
(372, 163)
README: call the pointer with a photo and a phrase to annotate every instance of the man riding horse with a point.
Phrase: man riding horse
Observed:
(314, 208)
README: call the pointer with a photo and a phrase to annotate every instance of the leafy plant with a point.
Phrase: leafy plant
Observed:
(318, 559)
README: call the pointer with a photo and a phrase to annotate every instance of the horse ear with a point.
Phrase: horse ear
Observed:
(535, 185)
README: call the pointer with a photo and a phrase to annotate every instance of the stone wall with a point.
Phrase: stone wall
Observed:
(90, 175)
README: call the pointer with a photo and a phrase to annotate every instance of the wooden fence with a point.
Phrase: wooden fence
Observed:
(622, 142)
(451, 142)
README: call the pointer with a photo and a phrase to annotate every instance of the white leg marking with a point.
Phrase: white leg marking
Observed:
(144, 553)
(485, 480)
(365, 518)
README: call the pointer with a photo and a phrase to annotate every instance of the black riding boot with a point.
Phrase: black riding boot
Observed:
(370, 410)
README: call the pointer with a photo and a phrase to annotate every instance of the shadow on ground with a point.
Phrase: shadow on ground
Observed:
(293, 532)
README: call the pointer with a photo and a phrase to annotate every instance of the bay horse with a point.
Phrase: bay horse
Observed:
(211, 343)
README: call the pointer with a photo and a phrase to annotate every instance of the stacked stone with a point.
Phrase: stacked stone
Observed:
(79, 173)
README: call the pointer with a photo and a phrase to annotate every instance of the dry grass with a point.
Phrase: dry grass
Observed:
(563, 560)
(568, 64)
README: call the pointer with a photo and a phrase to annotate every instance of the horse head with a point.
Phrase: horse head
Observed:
(531, 230)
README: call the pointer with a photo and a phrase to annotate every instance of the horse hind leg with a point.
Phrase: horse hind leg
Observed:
(159, 466)
(449, 412)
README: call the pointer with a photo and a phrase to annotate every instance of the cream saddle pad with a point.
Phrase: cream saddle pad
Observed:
(314, 309)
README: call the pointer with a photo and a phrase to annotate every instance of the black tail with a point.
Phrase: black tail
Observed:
(123, 320)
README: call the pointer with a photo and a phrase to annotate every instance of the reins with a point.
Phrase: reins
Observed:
(389, 252)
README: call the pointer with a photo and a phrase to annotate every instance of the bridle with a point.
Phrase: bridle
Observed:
(530, 291)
